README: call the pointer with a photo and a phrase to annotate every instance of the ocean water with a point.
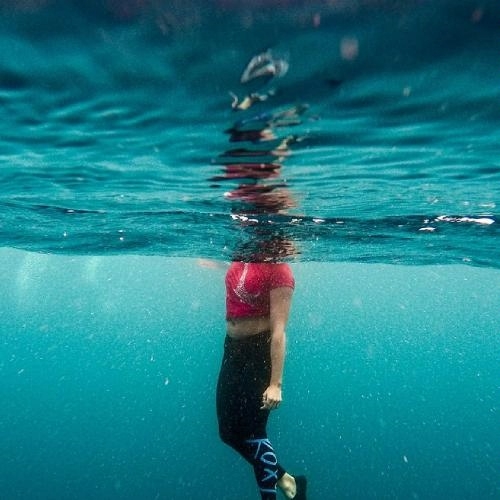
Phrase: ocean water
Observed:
(127, 185)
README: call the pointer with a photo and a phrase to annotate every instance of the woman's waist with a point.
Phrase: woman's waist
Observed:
(242, 327)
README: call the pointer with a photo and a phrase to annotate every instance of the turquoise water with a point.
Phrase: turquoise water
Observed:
(116, 202)
(109, 367)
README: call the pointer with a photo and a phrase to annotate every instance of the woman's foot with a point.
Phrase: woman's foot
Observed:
(293, 487)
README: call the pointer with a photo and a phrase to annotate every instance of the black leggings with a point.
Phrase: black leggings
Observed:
(244, 376)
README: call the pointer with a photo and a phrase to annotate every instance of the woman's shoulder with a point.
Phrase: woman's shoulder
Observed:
(280, 274)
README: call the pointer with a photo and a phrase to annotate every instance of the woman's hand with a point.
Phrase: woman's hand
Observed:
(271, 398)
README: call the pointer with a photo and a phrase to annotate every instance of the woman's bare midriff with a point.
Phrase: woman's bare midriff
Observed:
(239, 328)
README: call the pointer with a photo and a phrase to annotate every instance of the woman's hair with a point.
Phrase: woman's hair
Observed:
(271, 249)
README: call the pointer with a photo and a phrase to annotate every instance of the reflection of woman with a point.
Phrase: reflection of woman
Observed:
(258, 298)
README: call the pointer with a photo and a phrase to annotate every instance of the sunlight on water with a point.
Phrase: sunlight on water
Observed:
(28, 283)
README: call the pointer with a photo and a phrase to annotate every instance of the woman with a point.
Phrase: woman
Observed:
(258, 298)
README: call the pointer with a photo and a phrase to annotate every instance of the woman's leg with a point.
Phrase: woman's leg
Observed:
(244, 376)
(259, 453)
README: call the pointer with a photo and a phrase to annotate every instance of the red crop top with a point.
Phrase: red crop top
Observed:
(248, 287)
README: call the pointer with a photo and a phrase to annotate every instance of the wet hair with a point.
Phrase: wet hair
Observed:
(275, 249)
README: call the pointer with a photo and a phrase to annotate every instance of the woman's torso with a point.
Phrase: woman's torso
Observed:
(248, 296)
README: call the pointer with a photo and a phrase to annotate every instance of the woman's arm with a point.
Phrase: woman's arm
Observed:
(281, 299)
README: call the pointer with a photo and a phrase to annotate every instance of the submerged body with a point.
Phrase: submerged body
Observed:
(258, 299)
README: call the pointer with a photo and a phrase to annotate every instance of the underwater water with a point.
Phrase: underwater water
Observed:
(128, 181)
(109, 367)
